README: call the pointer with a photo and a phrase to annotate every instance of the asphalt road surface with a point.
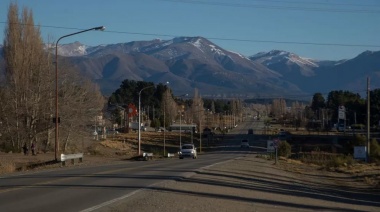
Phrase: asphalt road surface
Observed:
(81, 187)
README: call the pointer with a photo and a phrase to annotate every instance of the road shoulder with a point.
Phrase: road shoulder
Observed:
(254, 184)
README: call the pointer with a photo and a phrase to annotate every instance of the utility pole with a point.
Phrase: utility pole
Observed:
(200, 130)
(368, 121)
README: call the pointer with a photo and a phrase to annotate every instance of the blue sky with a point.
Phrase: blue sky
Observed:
(244, 26)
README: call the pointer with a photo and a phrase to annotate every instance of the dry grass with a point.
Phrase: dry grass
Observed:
(7, 166)
(115, 147)
(373, 180)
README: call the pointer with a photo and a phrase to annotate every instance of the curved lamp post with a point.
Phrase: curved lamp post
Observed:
(56, 85)
(140, 117)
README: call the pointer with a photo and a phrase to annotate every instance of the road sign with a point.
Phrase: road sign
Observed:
(270, 146)
(276, 142)
(360, 152)
(342, 112)
(132, 111)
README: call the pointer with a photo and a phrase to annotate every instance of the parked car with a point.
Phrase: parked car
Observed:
(188, 150)
(244, 143)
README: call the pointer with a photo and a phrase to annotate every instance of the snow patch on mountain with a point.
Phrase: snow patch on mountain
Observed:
(277, 56)
(240, 55)
(302, 61)
(166, 43)
(216, 50)
(198, 44)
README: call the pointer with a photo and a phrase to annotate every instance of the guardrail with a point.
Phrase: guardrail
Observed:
(171, 155)
(72, 157)
(147, 156)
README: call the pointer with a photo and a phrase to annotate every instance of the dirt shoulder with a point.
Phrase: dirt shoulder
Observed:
(256, 184)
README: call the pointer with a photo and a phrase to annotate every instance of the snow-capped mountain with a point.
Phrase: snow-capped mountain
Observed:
(286, 62)
(195, 62)
(72, 49)
(189, 62)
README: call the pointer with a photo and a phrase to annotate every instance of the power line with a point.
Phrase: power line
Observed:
(262, 6)
(319, 3)
(219, 38)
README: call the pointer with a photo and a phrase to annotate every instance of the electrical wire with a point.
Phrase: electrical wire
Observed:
(219, 38)
(262, 6)
(318, 3)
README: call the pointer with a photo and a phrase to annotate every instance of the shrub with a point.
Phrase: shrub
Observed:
(374, 150)
(340, 160)
(284, 149)
(359, 140)
(155, 123)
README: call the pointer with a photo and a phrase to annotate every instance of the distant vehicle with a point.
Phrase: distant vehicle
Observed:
(250, 131)
(188, 150)
(244, 143)
(135, 126)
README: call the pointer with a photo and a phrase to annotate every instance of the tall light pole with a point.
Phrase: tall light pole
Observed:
(140, 117)
(200, 130)
(180, 128)
(368, 121)
(56, 85)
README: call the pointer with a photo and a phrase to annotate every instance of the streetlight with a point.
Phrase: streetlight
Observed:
(140, 117)
(56, 85)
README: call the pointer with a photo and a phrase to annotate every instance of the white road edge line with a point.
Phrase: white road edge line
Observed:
(112, 201)
(128, 195)
(125, 196)
(189, 174)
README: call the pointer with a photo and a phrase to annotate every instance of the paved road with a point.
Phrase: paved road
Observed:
(78, 188)
(74, 189)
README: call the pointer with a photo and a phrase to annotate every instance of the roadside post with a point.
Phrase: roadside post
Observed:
(276, 156)
(275, 145)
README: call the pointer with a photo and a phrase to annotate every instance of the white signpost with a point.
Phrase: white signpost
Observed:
(342, 113)
(270, 146)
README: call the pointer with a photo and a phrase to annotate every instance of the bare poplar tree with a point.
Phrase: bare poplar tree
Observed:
(27, 99)
(27, 78)
(197, 109)
(80, 102)
(169, 106)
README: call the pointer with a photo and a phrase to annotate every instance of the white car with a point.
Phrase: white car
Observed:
(244, 143)
(188, 150)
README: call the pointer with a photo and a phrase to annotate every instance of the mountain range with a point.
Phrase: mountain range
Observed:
(195, 62)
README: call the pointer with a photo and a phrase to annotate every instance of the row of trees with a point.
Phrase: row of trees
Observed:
(27, 92)
(355, 105)
(323, 113)
(164, 108)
